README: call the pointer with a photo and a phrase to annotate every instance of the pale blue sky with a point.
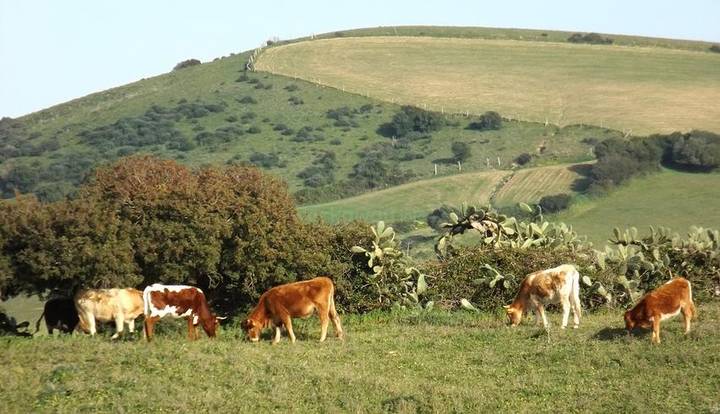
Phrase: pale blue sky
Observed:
(54, 51)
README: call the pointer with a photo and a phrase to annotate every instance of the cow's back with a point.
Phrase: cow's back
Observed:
(299, 297)
(666, 299)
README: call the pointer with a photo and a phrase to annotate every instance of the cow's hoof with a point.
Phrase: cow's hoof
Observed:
(575, 327)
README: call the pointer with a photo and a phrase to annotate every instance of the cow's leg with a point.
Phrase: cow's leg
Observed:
(541, 310)
(656, 329)
(577, 310)
(324, 316)
(287, 321)
(687, 316)
(131, 325)
(276, 339)
(566, 312)
(149, 325)
(119, 326)
(91, 323)
(192, 332)
(336, 321)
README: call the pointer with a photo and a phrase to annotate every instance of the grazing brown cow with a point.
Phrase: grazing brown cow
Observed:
(179, 302)
(104, 305)
(662, 303)
(280, 304)
(559, 284)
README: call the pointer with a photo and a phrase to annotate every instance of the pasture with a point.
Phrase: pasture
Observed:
(417, 199)
(642, 89)
(402, 361)
(670, 198)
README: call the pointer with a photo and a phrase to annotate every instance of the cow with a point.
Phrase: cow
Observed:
(662, 303)
(557, 285)
(104, 305)
(280, 304)
(60, 314)
(179, 301)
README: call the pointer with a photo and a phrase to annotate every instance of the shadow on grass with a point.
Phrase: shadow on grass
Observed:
(614, 334)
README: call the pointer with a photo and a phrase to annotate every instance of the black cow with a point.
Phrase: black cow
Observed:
(59, 313)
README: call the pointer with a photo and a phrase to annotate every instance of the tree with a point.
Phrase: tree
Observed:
(460, 150)
(186, 64)
(488, 121)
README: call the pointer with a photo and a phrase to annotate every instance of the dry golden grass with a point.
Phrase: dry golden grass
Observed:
(532, 184)
(642, 89)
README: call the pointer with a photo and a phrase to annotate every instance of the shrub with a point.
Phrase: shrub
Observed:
(460, 150)
(291, 88)
(186, 64)
(247, 100)
(415, 121)
(254, 130)
(591, 38)
(266, 160)
(555, 203)
(523, 158)
(294, 100)
(714, 48)
(488, 121)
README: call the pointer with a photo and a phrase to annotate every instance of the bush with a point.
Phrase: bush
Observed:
(591, 38)
(186, 64)
(247, 100)
(254, 130)
(523, 158)
(555, 203)
(415, 121)
(490, 120)
(714, 48)
(460, 150)
(294, 100)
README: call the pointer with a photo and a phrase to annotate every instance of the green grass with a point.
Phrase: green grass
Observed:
(416, 200)
(643, 89)
(215, 83)
(434, 362)
(671, 199)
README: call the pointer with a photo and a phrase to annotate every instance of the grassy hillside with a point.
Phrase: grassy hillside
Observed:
(432, 362)
(643, 89)
(416, 200)
(672, 199)
(499, 33)
(214, 113)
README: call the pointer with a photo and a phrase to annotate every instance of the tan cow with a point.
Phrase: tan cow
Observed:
(104, 305)
(662, 303)
(280, 304)
(557, 285)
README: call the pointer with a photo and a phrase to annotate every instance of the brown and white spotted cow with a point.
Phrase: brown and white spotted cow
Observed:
(179, 301)
(105, 305)
(280, 304)
(662, 303)
(557, 285)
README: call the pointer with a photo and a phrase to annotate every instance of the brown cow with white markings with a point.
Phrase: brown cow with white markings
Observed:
(179, 301)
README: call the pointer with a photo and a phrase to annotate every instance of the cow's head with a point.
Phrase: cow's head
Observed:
(210, 325)
(514, 315)
(252, 329)
(629, 321)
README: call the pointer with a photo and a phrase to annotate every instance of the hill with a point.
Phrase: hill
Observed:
(671, 199)
(320, 140)
(639, 88)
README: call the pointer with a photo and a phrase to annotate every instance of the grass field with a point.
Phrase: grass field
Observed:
(401, 362)
(643, 89)
(671, 199)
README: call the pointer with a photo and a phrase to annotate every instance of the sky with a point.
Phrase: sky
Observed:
(54, 51)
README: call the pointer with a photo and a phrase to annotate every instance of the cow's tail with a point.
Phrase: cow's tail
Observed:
(693, 309)
(146, 301)
(576, 290)
(37, 324)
